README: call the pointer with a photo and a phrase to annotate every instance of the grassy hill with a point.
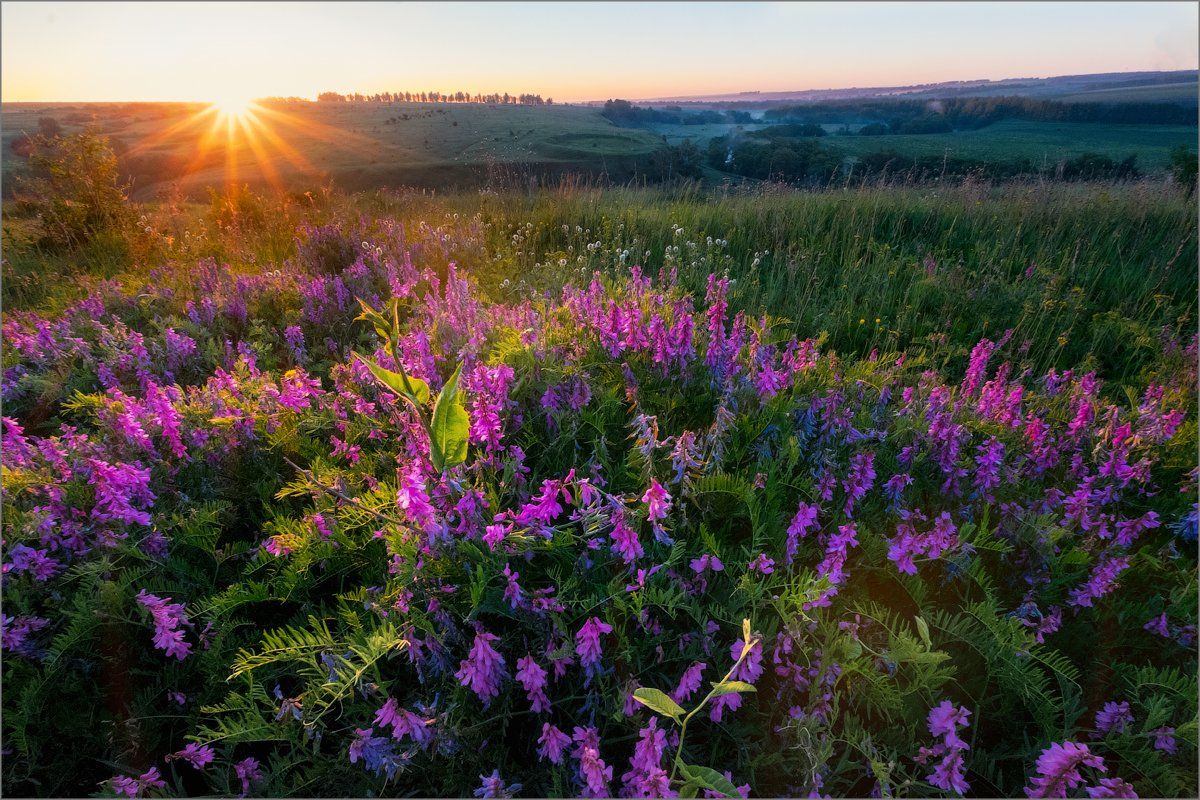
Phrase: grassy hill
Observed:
(356, 145)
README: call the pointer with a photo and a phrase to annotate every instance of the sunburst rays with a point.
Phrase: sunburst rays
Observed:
(245, 139)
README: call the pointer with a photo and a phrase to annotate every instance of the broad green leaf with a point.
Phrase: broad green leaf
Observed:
(658, 702)
(377, 320)
(689, 790)
(923, 631)
(395, 381)
(731, 687)
(449, 427)
(708, 778)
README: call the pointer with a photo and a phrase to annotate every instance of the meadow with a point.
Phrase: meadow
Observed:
(600, 490)
(359, 145)
(296, 146)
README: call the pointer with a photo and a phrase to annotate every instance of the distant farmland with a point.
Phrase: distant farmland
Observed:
(1011, 140)
(370, 145)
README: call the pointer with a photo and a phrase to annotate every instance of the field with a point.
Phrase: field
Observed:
(1040, 142)
(296, 146)
(1184, 93)
(591, 491)
(300, 145)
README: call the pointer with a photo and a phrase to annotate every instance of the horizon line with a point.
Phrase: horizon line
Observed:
(654, 98)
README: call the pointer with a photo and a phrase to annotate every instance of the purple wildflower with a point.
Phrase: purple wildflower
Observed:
(512, 589)
(859, 480)
(804, 520)
(594, 773)
(377, 753)
(135, 787)
(587, 644)
(763, 564)
(646, 776)
(493, 786)
(169, 620)
(404, 722)
(1113, 717)
(689, 682)
(531, 676)
(1111, 787)
(1101, 581)
(198, 755)
(552, 743)
(1058, 769)
(1164, 740)
(249, 772)
(482, 670)
(625, 542)
(706, 562)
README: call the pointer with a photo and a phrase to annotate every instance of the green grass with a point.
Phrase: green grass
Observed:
(1047, 142)
(1088, 273)
(356, 145)
(1112, 265)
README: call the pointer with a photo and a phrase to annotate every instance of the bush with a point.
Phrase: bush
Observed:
(74, 188)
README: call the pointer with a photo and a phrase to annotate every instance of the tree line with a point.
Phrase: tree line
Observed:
(502, 98)
(971, 113)
(626, 114)
(809, 162)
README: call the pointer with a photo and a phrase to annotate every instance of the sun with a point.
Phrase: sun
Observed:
(233, 106)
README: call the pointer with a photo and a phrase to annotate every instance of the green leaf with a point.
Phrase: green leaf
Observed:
(708, 778)
(658, 702)
(395, 381)
(853, 649)
(377, 320)
(731, 687)
(689, 790)
(449, 428)
(923, 631)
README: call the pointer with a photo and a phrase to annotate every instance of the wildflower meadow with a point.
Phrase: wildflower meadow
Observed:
(608, 494)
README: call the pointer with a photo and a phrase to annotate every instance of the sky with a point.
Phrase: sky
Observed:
(568, 51)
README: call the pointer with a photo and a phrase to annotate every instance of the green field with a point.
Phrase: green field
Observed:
(362, 146)
(1011, 140)
(357, 146)
(1182, 93)
(1008, 140)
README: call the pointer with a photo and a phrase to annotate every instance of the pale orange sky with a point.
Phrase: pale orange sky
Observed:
(570, 51)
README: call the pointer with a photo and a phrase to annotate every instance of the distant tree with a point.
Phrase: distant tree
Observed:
(677, 162)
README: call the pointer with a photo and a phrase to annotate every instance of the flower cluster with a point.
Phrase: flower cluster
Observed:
(944, 721)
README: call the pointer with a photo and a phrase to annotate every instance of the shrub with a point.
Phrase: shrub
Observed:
(74, 189)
